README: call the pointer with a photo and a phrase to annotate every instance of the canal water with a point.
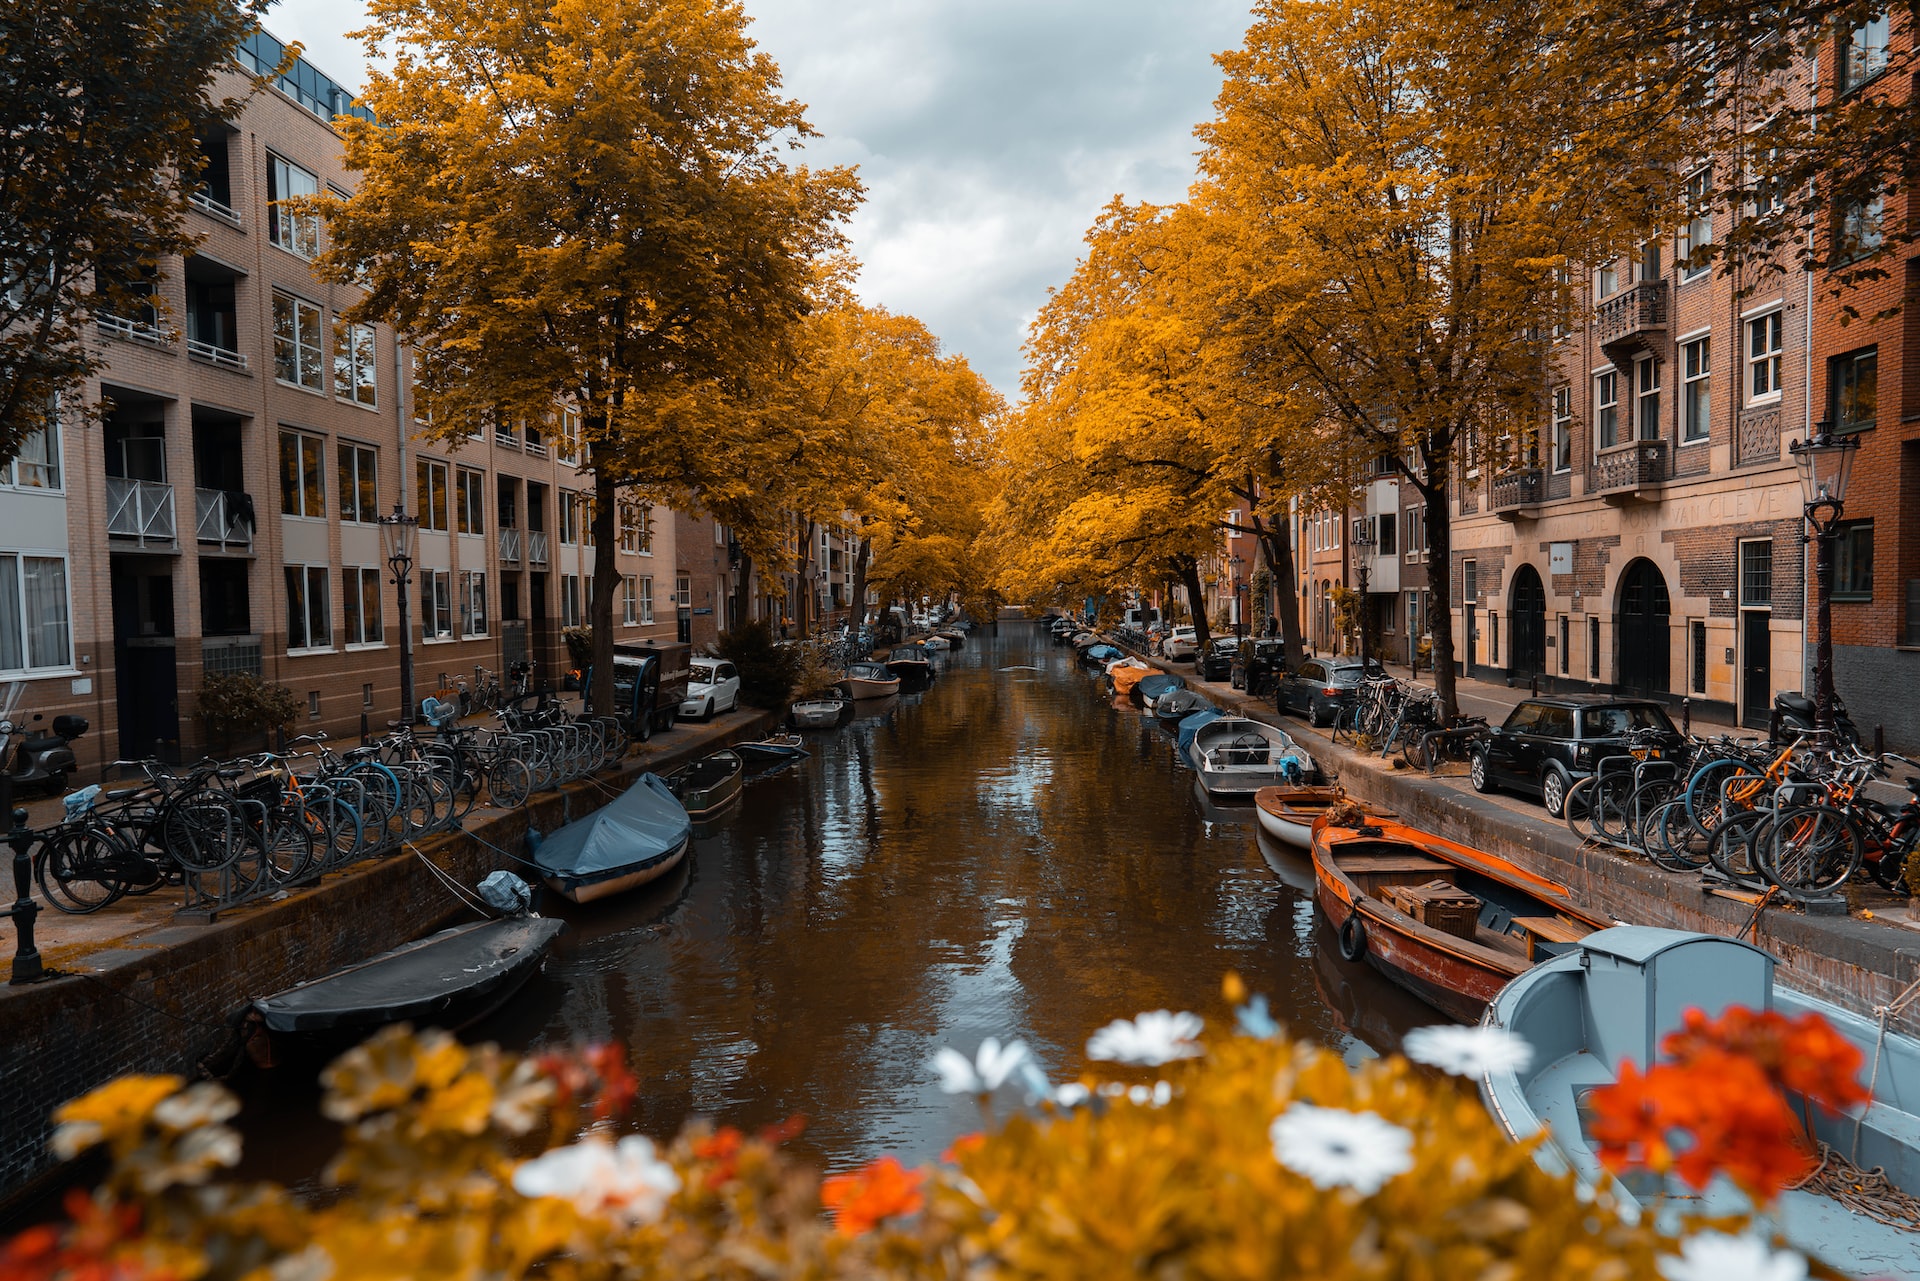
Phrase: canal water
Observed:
(1008, 853)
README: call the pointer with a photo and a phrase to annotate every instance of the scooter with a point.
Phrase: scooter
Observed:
(1796, 715)
(41, 759)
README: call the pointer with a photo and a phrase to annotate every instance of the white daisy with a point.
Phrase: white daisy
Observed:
(1716, 1256)
(624, 1180)
(1468, 1051)
(1071, 1095)
(1151, 1039)
(1339, 1149)
(985, 1072)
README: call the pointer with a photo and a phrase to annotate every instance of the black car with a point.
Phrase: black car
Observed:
(1547, 744)
(1216, 662)
(1319, 688)
(1258, 665)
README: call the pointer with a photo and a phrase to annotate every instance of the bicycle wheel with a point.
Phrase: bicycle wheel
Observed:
(1704, 792)
(346, 834)
(199, 834)
(509, 782)
(1414, 750)
(381, 812)
(1641, 804)
(1609, 820)
(79, 870)
(1733, 847)
(1810, 850)
(287, 840)
(1577, 809)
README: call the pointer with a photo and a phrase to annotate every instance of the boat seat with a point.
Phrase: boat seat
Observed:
(1376, 863)
(1550, 931)
(1494, 918)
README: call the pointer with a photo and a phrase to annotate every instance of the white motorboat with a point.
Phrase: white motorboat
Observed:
(1237, 756)
(821, 711)
(869, 680)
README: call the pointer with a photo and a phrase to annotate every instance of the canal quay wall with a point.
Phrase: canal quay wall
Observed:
(1855, 963)
(159, 1000)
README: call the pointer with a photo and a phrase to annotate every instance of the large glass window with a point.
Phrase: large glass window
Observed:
(37, 465)
(302, 491)
(1646, 397)
(1860, 230)
(296, 341)
(1606, 409)
(1855, 382)
(1853, 561)
(34, 631)
(473, 602)
(358, 490)
(570, 600)
(1563, 428)
(430, 500)
(1764, 346)
(1696, 233)
(1606, 281)
(629, 600)
(292, 230)
(1756, 572)
(436, 604)
(353, 363)
(309, 619)
(470, 501)
(569, 518)
(1696, 397)
(360, 591)
(646, 600)
(567, 447)
(1864, 53)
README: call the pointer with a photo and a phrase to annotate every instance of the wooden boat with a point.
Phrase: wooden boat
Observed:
(639, 837)
(1126, 675)
(1237, 756)
(449, 980)
(1615, 995)
(778, 748)
(709, 785)
(1450, 923)
(820, 711)
(869, 680)
(1287, 813)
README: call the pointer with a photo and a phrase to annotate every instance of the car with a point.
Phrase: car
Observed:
(1318, 688)
(1217, 663)
(1181, 644)
(1257, 665)
(1546, 745)
(713, 685)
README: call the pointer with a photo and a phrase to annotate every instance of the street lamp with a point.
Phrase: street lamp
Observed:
(1235, 563)
(397, 533)
(1826, 464)
(1363, 556)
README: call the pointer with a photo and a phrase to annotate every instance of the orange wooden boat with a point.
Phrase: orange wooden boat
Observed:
(1450, 923)
(1288, 813)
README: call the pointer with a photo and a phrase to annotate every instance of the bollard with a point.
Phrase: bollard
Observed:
(1686, 716)
(1773, 726)
(364, 730)
(26, 957)
(1536, 684)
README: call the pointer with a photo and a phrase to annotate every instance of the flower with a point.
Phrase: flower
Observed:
(1338, 1149)
(1151, 1039)
(1468, 1051)
(1254, 1020)
(1071, 1095)
(878, 1190)
(117, 1108)
(987, 1071)
(625, 1180)
(1716, 1256)
(202, 1104)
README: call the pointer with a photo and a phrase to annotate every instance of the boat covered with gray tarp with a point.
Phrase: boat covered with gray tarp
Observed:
(640, 836)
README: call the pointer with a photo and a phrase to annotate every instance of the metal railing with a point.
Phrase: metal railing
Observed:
(506, 438)
(220, 356)
(141, 510)
(208, 205)
(510, 544)
(220, 520)
(537, 546)
(536, 450)
(142, 331)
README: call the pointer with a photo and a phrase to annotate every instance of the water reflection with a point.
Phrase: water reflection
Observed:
(1006, 853)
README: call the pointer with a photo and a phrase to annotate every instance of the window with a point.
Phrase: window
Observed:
(1385, 538)
(567, 447)
(1606, 281)
(1469, 581)
(1562, 428)
(430, 502)
(436, 605)
(646, 601)
(629, 600)
(1864, 54)
(1606, 409)
(1756, 572)
(37, 466)
(1564, 638)
(33, 613)
(293, 231)
(569, 518)
(1646, 263)
(1860, 230)
(630, 525)
(1696, 395)
(473, 602)
(1855, 380)
(296, 341)
(353, 363)
(358, 492)
(1593, 647)
(1853, 561)
(1493, 638)
(1646, 397)
(570, 600)
(360, 594)
(1696, 233)
(470, 500)
(1413, 533)
(1763, 356)
(309, 620)
(302, 492)
(1699, 637)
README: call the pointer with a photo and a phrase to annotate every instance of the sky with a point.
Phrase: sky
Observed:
(989, 133)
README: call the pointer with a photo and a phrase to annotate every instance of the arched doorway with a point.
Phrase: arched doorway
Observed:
(1527, 617)
(1641, 621)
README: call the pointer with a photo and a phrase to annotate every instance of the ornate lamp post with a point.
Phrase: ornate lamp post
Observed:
(1363, 556)
(397, 533)
(1826, 464)
(1236, 564)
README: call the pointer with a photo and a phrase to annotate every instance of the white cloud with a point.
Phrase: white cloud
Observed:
(989, 133)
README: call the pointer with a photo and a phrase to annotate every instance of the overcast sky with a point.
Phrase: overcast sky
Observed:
(989, 133)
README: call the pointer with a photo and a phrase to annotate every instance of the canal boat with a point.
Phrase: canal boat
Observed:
(912, 664)
(708, 785)
(1176, 705)
(776, 749)
(869, 680)
(1191, 726)
(953, 636)
(1237, 756)
(449, 980)
(1615, 996)
(1450, 923)
(821, 711)
(1125, 676)
(638, 837)
(1100, 654)
(936, 642)
(1149, 691)
(1287, 813)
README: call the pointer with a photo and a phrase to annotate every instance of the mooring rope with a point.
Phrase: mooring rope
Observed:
(477, 904)
(1867, 1192)
(1886, 1015)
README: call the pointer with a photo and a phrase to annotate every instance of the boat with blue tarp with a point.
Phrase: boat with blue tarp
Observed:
(638, 837)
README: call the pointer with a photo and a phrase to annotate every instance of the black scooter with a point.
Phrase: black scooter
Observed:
(41, 759)
(1795, 715)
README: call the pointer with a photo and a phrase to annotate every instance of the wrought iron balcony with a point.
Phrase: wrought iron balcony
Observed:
(223, 518)
(141, 510)
(510, 545)
(537, 546)
(220, 356)
(1518, 493)
(1633, 321)
(1633, 472)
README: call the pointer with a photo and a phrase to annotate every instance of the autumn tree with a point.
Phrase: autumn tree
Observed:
(586, 201)
(101, 105)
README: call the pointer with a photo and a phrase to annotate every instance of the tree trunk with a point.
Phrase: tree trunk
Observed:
(743, 591)
(1279, 550)
(860, 559)
(1189, 571)
(1440, 584)
(803, 607)
(606, 578)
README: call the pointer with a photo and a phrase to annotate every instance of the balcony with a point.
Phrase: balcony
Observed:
(536, 546)
(536, 450)
(505, 439)
(223, 518)
(132, 330)
(1633, 322)
(1517, 494)
(142, 511)
(510, 546)
(206, 204)
(220, 356)
(1631, 473)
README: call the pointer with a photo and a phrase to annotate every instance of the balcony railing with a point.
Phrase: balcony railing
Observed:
(141, 331)
(141, 510)
(506, 438)
(1627, 471)
(206, 204)
(1517, 490)
(223, 518)
(220, 356)
(537, 546)
(1634, 315)
(536, 450)
(510, 545)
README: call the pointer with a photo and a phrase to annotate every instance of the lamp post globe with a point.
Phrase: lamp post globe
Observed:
(1825, 464)
(398, 534)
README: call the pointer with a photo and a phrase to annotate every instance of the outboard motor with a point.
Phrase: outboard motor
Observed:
(1795, 714)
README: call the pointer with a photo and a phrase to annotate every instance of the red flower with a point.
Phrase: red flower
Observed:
(878, 1190)
(960, 1147)
(784, 1131)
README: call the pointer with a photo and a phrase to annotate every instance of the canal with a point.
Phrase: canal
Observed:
(1005, 854)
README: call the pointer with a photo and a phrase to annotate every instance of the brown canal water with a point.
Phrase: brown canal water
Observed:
(1008, 853)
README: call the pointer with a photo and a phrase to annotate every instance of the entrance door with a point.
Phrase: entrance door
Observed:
(1472, 633)
(148, 704)
(1756, 667)
(1527, 610)
(1641, 621)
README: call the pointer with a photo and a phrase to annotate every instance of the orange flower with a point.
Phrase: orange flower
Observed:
(784, 1131)
(1634, 1119)
(1742, 1129)
(722, 1147)
(878, 1190)
(960, 1147)
(99, 1245)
